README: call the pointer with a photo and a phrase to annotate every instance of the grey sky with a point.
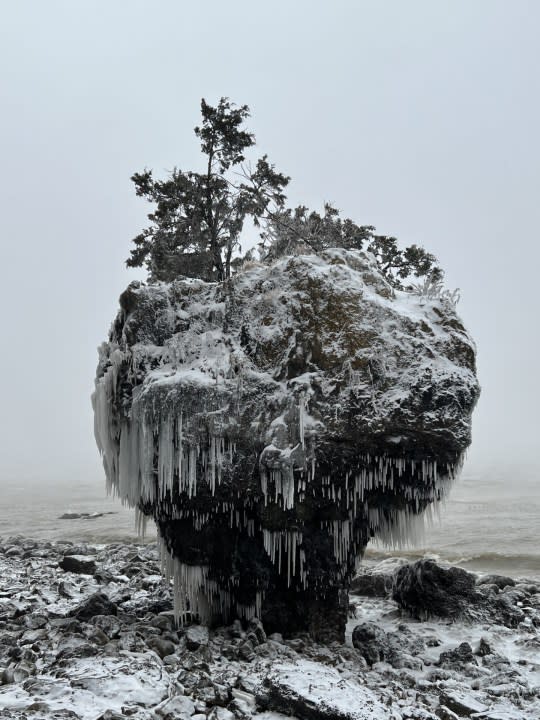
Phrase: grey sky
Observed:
(420, 117)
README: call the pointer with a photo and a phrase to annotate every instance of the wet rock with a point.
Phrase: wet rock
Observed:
(456, 658)
(377, 581)
(462, 703)
(111, 715)
(76, 650)
(131, 641)
(504, 611)
(194, 679)
(178, 706)
(372, 642)
(163, 621)
(96, 604)
(196, 635)
(103, 577)
(82, 564)
(484, 648)
(67, 625)
(14, 551)
(222, 695)
(246, 651)
(8, 676)
(501, 581)
(311, 691)
(108, 624)
(426, 589)
(65, 589)
(444, 713)
(489, 589)
(220, 713)
(371, 585)
(243, 703)
(161, 647)
(255, 631)
(98, 637)
(35, 621)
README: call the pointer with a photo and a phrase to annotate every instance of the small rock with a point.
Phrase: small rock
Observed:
(196, 635)
(506, 612)
(484, 648)
(243, 702)
(371, 641)
(65, 589)
(246, 651)
(256, 628)
(7, 677)
(221, 694)
(98, 636)
(501, 581)
(82, 564)
(161, 647)
(96, 604)
(111, 715)
(236, 629)
(461, 703)
(176, 706)
(163, 621)
(220, 713)
(445, 713)
(457, 657)
(297, 644)
(13, 552)
(107, 624)
(35, 621)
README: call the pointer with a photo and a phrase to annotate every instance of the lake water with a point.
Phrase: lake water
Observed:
(490, 522)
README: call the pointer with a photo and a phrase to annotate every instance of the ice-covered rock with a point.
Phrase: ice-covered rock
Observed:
(313, 692)
(377, 580)
(273, 423)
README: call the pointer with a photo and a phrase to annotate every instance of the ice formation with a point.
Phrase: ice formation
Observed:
(272, 424)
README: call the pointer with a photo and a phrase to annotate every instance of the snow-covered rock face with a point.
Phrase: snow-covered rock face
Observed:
(273, 423)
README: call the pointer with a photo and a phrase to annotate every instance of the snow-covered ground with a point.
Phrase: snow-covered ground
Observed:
(102, 644)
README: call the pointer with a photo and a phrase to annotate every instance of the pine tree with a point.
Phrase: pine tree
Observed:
(199, 216)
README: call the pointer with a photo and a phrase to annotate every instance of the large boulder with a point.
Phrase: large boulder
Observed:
(312, 691)
(426, 589)
(273, 423)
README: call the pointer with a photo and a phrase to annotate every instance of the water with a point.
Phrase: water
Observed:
(34, 511)
(490, 523)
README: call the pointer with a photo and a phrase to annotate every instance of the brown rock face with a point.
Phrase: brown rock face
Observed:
(272, 424)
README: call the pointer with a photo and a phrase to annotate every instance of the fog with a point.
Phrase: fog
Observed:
(420, 118)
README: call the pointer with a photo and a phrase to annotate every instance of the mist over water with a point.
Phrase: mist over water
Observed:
(34, 510)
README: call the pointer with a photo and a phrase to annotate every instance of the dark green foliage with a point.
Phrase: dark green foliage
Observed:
(294, 230)
(198, 217)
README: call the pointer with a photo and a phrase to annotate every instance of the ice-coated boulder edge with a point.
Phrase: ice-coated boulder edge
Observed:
(271, 424)
(307, 688)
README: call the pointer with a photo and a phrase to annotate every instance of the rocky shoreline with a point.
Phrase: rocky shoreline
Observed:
(87, 632)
